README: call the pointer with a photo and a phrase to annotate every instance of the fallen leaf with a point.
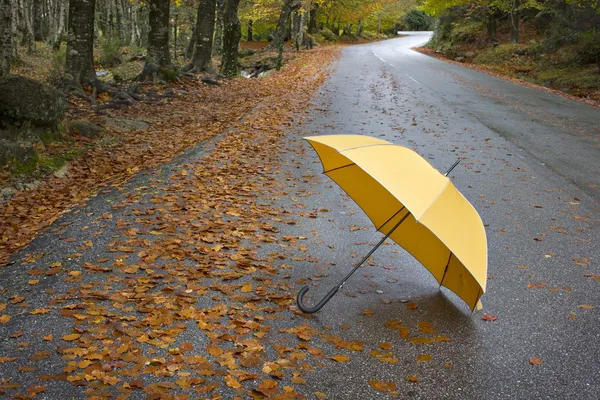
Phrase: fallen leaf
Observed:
(489, 317)
(340, 358)
(535, 361)
(586, 306)
(382, 386)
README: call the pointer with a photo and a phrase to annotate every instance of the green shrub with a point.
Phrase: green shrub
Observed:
(500, 54)
(57, 66)
(110, 52)
(466, 32)
(328, 35)
(418, 20)
(587, 78)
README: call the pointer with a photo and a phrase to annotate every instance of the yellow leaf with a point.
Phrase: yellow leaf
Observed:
(48, 337)
(383, 386)
(4, 318)
(340, 358)
(246, 287)
(232, 382)
(424, 357)
(40, 311)
(33, 282)
(321, 395)
(71, 337)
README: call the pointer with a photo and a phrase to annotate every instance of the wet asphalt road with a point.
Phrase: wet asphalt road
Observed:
(530, 168)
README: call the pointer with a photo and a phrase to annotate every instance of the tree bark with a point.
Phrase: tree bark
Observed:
(249, 35)
(491, 27)
(119, 20)
(38, 32)
(26, 27)
(158, 37)
(218, 42)
(80, 42)
(205, 28)
(279, 33)
(232, 34)
(6, 39)
(514, 19)
(312, 18)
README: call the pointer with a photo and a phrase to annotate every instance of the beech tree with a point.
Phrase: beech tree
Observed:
(204, 30)
(158, 56)
(80, 42)
(6, 40)
(232, 34)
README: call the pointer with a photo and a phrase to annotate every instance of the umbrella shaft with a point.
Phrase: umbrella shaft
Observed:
(373, 250)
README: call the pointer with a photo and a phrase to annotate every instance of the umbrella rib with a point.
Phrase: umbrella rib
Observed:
(335, 169)
(446, 269)
(392, 217)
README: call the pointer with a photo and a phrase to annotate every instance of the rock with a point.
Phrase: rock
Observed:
(25, 100)
(61, 173)
(459, 59)
(21, 157)
(125, 124)
(470, 54)
(85, 128)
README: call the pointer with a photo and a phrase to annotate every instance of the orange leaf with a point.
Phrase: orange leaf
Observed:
(413, 378)
(71, 337)
(340, 358)
(4, 318)
(535, 361)
(383, 386)
(489, 317)
(586, 306)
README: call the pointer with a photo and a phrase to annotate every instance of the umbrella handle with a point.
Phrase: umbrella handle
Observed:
(311, 310)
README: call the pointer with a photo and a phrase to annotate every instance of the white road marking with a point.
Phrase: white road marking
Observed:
(393, 66)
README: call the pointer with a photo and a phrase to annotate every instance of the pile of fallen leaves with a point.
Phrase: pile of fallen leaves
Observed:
(178, 261)
(195, 113)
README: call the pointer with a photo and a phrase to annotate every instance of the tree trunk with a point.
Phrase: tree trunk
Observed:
(38, 34)
(6, 39)
(232, 34)
(205, 28)
(189, 50)
(26, 28)
(359, 28)
(218, 43)
(514, 19)
(80, 42)
(312, 18)
(279, 33)
(158, 38)
(491, 27)
(119, 20)
(134, 34)
(249, 31)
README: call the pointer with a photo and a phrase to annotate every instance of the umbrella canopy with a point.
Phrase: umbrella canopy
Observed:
(440, 228)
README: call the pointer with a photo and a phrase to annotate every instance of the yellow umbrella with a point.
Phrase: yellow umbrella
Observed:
(412, 203)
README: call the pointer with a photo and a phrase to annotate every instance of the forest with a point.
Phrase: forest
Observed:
(555, 43)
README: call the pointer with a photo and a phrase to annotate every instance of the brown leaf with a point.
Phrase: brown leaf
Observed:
(383, 386)
(489, 317)
(412, 378)
(535, 361)
(4, 318)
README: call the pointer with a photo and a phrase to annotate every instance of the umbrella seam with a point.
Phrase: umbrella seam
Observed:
(434, 200)
(367, 145)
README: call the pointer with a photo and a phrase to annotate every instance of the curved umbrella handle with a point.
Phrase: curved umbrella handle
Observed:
(311, 310)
